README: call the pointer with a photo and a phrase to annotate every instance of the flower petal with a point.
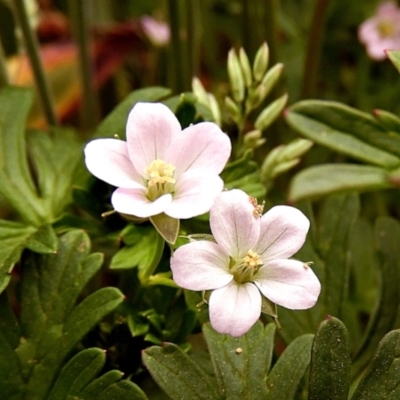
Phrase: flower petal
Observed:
(195, 193)
(200, 266)
(202, 146)
(108, 160)
(233, 224)
(235, 308)
(283, 232)
(135, 202)
(289, 283)
(149, 131)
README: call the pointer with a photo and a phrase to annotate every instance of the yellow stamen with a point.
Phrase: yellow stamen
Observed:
(252, 260)
(258, 208)
(386, 29)
(160, 172)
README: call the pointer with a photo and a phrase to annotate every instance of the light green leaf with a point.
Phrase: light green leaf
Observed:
(382, 378)
(323, 180)
(394, 57)
(115, 122)
(144, 251)
(242, 364)
(330, 362)
(345, 130)
(178, 375)
(285, 377)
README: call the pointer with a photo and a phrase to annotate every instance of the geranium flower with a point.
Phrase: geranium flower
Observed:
(160, 168)
(382, 31)
(249, 259)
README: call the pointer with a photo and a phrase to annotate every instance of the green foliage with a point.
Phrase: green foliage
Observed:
(351, 132)
(330, 362)
(34, 346)
(242, 367)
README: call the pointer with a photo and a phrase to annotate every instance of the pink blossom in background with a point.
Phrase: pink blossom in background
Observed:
(160, 168)
(249, 259)
(382, 31)
(157, 32)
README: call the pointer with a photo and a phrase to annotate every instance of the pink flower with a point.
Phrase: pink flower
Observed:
(160, 168)
(382, 31)
(250, 259)
(158, 32)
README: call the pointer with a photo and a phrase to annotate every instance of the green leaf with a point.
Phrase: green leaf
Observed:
(55, 167)
(186, 110)
(346, 130)
(394, 57)
(387, 238)
(43, 241)
(51, 324)
(338, 216)
(330, 362)
(77, 379)
(388, 121)
(177, 374)
(285, 376)
(144, 253)
(242, 364)
(323, 180)
(115, 122)
(382, 378)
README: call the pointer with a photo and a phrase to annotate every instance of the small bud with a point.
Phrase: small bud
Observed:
(283, 167)
(270, 113)
(245, 65)
(199, 91)
(253, 139)
(271, 77)
(215, 110)
(270, 161)
(261, 62)
(295, 149)
(233, 109)
(235, 77)
(255, 98)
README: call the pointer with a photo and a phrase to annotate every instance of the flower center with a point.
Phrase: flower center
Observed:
(160, 179)
(386, 29)
(243, 270)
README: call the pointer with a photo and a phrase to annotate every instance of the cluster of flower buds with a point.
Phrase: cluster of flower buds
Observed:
(283, 158)
(207, 99)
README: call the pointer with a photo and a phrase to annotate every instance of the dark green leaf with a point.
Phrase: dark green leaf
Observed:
(177, 374)
(285, 376)
(186, 110)
(382, 378)
(330, 362)
(387, 237)
(115, 122)
(323, 180)
(346, 130)
(337, 219)
(241, 364)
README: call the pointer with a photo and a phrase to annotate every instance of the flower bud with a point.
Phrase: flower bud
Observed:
(253, 139)
(261, 62)
(270, 113)
(233, 109)
(255, 98)
(283, 167)
(270, 161)
(200, 92)
(214, 108)
(235, 77)
(271, 77)
(296, 149)
(245, 65)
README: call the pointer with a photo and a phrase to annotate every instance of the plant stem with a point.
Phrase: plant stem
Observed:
(313, 54)
(4, 78)
(271, 28)
(89, 110)
(32, 48)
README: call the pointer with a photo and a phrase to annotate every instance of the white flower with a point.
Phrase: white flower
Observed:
(160, 168)
(250, 259)
(382, 31)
